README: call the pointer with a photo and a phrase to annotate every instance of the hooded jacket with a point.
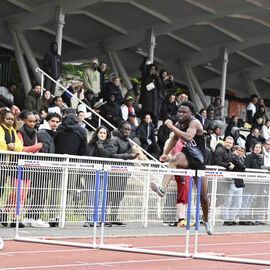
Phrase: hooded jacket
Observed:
(46, 136)
(71, 137)
(91, 79)
(33, 102)
(12, 135)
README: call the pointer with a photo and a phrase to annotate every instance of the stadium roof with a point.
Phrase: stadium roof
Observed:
(189, 32)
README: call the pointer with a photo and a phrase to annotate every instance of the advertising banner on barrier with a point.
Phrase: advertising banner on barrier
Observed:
(228, 174)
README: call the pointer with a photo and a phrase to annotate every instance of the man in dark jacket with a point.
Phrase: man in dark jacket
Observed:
(52, 66)
(71, 138)
(146, 134)
(253, 138)
(111, 111)
(39, 186)
(33, 102)
(117, 185)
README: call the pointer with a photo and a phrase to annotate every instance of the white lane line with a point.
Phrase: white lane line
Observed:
(250, 254)
(93, 264)
(167, 246)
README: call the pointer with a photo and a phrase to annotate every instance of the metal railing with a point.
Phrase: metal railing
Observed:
(137, 203)
(92, 111)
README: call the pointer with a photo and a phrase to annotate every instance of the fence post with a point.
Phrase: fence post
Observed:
(213, 200)
(64, 195)
(268, 212)
(146, 196)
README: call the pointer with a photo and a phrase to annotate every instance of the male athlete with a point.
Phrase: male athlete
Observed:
(192, 155)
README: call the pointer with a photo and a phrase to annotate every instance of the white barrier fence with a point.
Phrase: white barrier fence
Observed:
(134, 203)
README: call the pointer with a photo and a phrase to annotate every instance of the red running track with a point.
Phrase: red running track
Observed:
(22, 255)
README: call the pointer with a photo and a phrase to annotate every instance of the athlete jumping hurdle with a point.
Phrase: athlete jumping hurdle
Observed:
(190, 131)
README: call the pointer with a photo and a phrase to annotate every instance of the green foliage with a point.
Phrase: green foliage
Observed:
(135, 80)
(68, 69)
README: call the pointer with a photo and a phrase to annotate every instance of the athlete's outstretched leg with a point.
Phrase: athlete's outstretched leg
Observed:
(178, 161)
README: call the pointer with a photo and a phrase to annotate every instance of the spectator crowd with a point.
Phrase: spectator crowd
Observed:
(48, 124)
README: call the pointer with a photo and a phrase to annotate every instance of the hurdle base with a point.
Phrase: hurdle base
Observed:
(53, 242)
(201, 256)
(144, 251)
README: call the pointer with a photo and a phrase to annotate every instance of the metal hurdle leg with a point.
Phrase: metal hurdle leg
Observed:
(188, 215)
(199, 181)
(130, 248)
(103, 207)
(96, 210)
(18, 199)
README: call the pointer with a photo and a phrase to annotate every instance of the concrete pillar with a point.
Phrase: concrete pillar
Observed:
(122, 70)
(223, 79)
(198, 88)
(152, 45)
(29, 55)
(192, 91)
(20, 60)
(60, 22)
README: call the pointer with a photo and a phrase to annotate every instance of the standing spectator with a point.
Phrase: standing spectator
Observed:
(102, 70)
(216, 106)
(146, 134)
(169, 109)
(116, 185)
(266, 153)
(258, 122)
(233, 201)
(9, 141)
(251, 108)
(253, 138)
(99, 146)
(39, 188)
(266, 130)
(113, 87)
(71, 137)
(33, 101)
(73, 89)
(111, 111)
(210, 120)
(57, 105)
(81, 117)
(52, 64)
(260, 112)
(215, 138)
(253, 160)
(167, 83)
(127, 108)
(8, 91)
(232, 123)
(46, 101)
(91, 79)
(149, 93)
(201, 116)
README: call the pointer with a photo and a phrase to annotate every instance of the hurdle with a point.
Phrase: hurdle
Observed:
(226, 174)
(154, 171)
(65, 165)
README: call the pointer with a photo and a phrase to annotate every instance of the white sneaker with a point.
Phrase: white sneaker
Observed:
(1, 243)
(39, 224)
(28, 221)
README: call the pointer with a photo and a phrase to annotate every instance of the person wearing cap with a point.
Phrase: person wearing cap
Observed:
(127, 108)
(91, 78)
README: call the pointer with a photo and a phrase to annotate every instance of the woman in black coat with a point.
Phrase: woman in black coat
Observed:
(149, 97)
(146, 134)
(99, 146)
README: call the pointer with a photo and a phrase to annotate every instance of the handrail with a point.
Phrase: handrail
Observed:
(98, 115)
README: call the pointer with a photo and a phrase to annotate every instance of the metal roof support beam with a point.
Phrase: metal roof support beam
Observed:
(122, 70)
(192, 91)
(21, 5)
(250, 58)
(29, 55)
(225, 61)
(197, 86)
(183, 41)
(20, 60)
(152, 45)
